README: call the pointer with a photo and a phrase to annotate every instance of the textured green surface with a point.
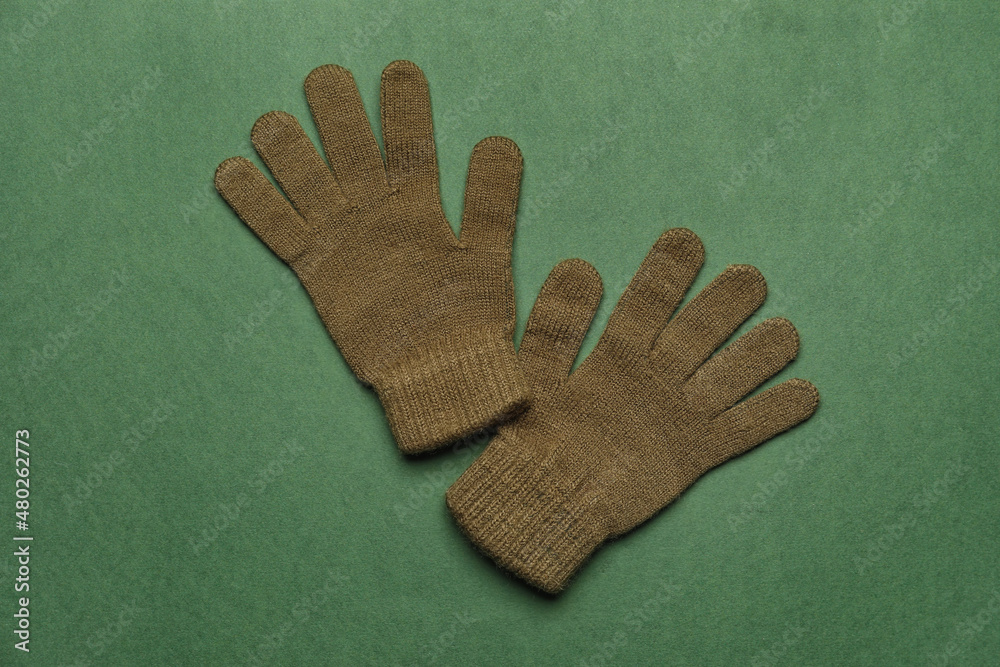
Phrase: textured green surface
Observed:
(867, 536)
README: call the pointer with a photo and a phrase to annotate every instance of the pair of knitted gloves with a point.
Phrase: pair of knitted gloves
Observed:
(427, 319)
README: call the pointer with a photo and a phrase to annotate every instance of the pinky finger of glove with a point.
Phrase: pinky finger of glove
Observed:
(262, 207)
(559, 321)
(760, 418)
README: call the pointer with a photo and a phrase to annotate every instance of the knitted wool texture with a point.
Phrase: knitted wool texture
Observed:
(425, 318)
(603, 449)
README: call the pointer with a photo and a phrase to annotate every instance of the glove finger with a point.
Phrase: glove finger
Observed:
(262, 207)
(655, 292)
(710, 319)
(491, 192)
(744, 365)
(298, 168)
(408, 131)
(346, 134)
(759, 419)
(558, 323)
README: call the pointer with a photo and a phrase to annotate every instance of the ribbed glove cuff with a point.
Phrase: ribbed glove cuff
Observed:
(523, 517)
(450, 390)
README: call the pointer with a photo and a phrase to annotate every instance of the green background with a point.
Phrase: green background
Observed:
(210, 485)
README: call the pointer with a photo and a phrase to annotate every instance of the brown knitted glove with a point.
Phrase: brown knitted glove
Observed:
(603, 449)
(423, 317)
